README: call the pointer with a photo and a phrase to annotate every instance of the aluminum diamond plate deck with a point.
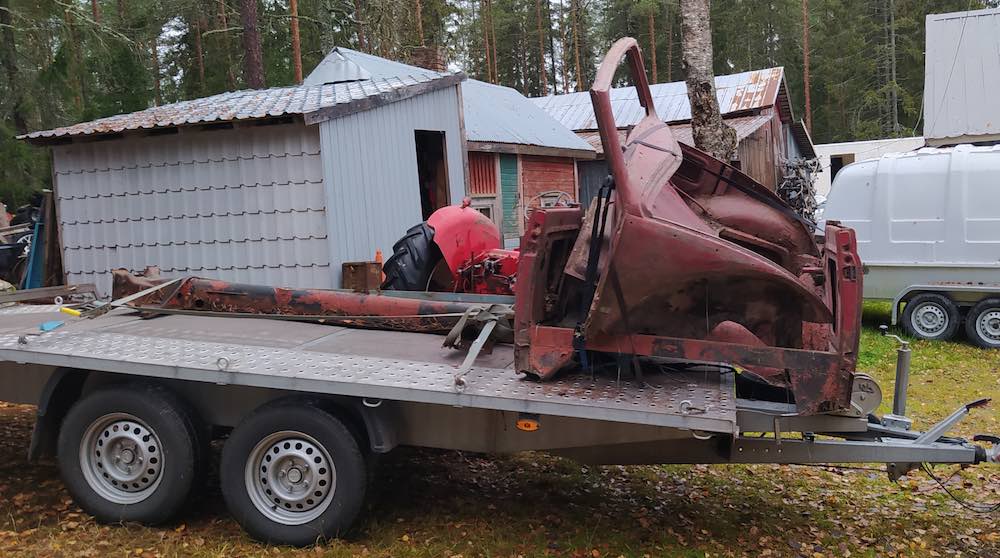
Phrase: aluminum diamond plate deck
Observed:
(691, 400)
(29, 308)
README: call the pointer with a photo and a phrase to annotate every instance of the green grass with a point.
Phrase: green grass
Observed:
(943, 374)
(448, 504)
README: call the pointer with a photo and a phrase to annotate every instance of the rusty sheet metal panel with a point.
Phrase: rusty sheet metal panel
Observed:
(482, 174)
(736, 92)
(375, 311)
(703, 264)
(241, 205)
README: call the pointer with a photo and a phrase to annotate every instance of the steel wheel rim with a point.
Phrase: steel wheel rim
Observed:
(121, 458)
(929, 319)
(290, 477)
(988, 326)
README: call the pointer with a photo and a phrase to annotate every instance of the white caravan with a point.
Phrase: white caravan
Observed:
(928, 229)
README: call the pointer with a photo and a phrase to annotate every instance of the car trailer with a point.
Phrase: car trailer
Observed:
(129, 404)
(688, 317)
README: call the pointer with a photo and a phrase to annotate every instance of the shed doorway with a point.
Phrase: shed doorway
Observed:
(432, 170)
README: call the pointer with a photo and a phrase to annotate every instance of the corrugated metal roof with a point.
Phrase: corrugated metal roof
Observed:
(744, 126)
(962, 76)
(248, 104)
(335, 68)
(500, 114)
(340, 63)
(736, 93)
(493, 113)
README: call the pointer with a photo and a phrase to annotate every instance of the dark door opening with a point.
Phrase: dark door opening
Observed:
(838, 162)
(432, 170)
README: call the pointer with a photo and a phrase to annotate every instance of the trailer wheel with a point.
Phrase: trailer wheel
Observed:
(931, 316)
(130, 453)
(413, 262)
(293, 474)
(982, 324)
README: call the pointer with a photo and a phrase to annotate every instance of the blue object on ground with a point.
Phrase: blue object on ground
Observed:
(49, 326)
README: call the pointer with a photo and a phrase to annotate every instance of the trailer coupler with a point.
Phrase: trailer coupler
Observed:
(936, 433)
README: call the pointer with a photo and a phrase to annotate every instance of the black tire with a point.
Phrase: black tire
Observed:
(931, 316)
(413, 260)
(246, 477)
(169, 472)
(982, 323)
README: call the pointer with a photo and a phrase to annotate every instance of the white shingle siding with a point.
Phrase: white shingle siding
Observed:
(245, 204)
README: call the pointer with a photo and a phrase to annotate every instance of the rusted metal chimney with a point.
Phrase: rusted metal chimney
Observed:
(429, 57)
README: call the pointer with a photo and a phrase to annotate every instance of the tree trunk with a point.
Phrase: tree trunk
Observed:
(574, 8)
(253, 59)
(293, 7)
(223, 23)
(565, 47)
(359, 26)
(76, 67)
(199, 51)
(121, 11)
(493, 45)
(711, 134)
(652, 45)
(670, 47)
(8, 57)
(155, 57)
(419, 13)
(95, 10)
(893, 101)
(543, 75)
(805, 63)
(552, 43)
(484, 21)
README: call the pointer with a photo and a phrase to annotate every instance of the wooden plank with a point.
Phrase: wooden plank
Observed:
(509, 202)
(482, 174)
(521, 149)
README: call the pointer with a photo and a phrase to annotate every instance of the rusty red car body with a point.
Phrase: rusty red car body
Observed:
(701, 264)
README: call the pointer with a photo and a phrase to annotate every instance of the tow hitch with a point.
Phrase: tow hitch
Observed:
(897, 424)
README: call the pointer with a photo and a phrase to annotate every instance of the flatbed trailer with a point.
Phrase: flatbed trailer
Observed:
(711, 329)
(226, 377)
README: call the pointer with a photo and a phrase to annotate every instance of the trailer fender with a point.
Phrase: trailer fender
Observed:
(380, 424)
(371, 421)
(58, 395)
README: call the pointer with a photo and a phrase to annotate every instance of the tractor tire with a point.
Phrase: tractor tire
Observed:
(413, 260)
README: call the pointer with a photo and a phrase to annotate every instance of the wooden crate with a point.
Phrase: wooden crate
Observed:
(362, 276)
